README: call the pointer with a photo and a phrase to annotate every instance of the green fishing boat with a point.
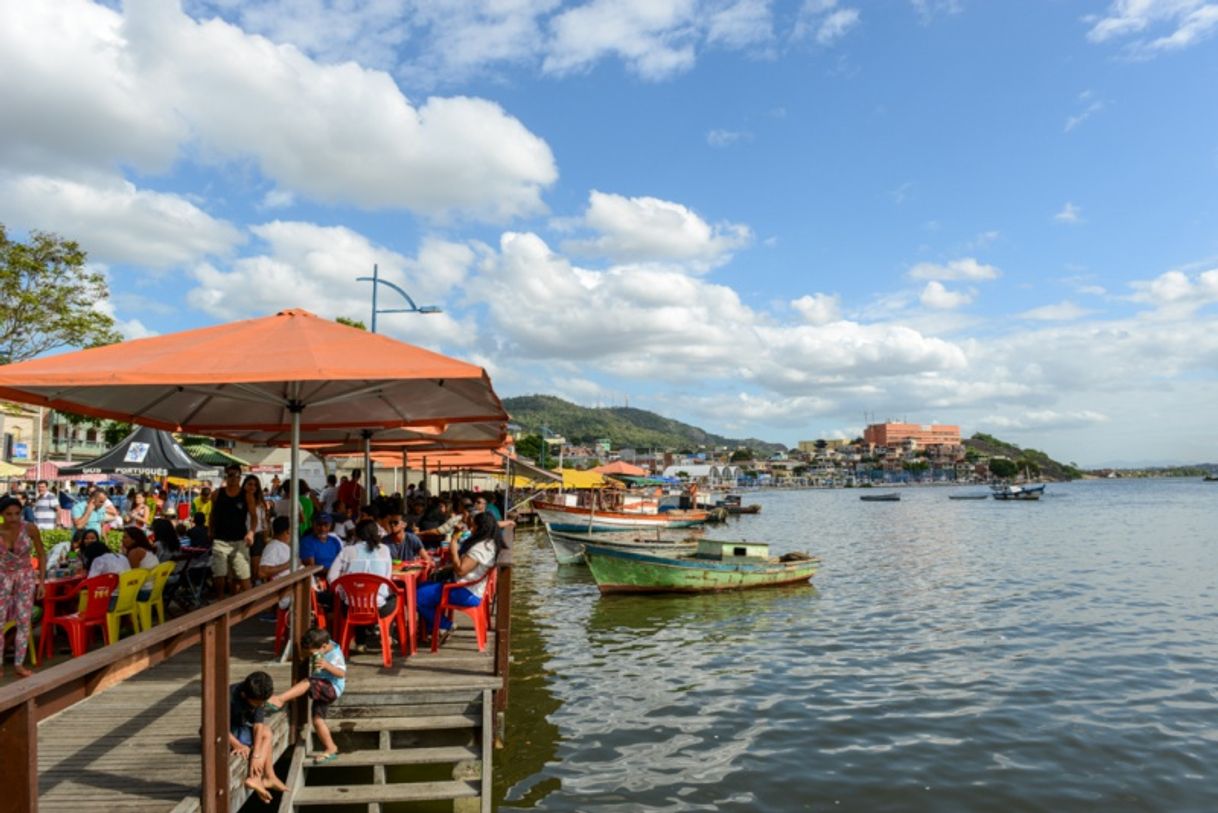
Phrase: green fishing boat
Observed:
(717, 565)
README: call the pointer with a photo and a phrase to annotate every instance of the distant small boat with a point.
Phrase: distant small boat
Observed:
(732, 503)
(1210, 478)
(1019, 492)
(716, 566)
(968, 496)
(881, 498)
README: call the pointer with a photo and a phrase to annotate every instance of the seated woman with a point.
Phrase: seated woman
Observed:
(472, 559)
(99, 559)
(61, 554)
(165, 539)
(367, 554)
(140, 553)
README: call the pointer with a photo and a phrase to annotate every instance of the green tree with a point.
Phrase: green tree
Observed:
(1001, 467)
(115, 431)
(48, 298)
(1030, 466)
(530, 446)
(349, 322)
(742, 455)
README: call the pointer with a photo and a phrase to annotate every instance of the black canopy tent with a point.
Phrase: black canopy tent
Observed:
(146, 452)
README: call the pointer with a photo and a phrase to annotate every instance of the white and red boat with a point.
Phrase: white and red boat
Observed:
(586, 519)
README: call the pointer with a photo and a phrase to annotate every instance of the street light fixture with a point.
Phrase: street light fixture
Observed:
(376, 280)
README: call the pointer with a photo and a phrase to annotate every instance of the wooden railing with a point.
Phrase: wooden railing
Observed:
(24, 703)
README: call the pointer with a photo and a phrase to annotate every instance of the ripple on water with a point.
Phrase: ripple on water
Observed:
(953, 656)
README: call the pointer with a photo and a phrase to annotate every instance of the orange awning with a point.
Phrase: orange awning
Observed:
(621, 467)
(250, 376)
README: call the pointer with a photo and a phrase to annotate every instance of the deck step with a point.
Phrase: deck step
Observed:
(420, 723)
(399, 756)
(394, 792)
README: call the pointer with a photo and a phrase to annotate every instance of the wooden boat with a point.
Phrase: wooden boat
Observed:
(717, 565)
(881, 498)
(576, 519)
(569, 547)
(732, 503)
(968, 496)
(1210, 478)
(1018, 492)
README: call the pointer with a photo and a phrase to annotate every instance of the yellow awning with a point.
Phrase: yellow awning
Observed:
(10, 470)
(571, 478)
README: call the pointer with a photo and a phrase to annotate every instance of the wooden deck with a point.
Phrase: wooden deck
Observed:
(135, 746)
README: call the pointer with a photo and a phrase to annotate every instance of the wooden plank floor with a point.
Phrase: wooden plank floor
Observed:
(136, 746)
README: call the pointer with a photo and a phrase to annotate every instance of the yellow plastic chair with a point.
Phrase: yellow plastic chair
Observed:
(31, 652)
(129, 585)
(160, 575)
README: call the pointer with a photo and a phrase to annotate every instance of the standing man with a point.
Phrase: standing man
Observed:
(329, 494)
(45, 506)
(351, 494)
(230, 533)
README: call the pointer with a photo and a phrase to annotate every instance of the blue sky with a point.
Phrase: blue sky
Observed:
(764, 218)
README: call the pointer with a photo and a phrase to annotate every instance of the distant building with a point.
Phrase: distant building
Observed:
(894, 435)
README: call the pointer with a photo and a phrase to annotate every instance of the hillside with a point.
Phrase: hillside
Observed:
(1050, 469)
(626, 427)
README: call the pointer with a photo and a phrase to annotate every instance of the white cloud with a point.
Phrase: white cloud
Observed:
(1092, 106)
(1044, 419)
(929, 9)
(823, 21)
(650, 229)
(936, 295)
(818, 309)
(314, 267)
(1176, 289)
(277, 199)
(155, 81)
(1061, 312)
(115, 222)
(965, 268)
(655, 39)
(1069, 214)
(726, 138)
(741, 24)
(1153, 26)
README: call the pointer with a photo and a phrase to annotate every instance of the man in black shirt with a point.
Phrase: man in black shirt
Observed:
(230, 534)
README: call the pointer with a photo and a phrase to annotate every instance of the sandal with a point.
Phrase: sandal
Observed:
(324, 758)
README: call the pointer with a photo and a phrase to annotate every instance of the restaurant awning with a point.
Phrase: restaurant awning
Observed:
(146, 452)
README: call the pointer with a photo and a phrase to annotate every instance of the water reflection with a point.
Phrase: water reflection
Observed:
(952, 656)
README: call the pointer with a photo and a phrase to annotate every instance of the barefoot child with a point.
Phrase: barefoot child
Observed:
(249, 736)
(327, 679)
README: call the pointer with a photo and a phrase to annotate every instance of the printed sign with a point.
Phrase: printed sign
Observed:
(21, 451)
(136, 453)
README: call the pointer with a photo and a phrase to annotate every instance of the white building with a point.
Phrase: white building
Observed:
(708, 474)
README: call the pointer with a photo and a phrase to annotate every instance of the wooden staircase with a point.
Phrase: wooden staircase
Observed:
(404, 745)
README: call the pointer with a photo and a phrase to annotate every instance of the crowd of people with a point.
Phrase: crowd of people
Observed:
(238, 534)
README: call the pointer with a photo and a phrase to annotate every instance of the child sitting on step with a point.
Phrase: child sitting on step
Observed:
(249, 737)
(325, 684)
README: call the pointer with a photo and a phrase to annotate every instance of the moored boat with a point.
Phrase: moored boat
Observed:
(881, 498)
(575, 519)
(968, 496)
(1018, 492)
(733, 505)
(569, 547)
(717, 565)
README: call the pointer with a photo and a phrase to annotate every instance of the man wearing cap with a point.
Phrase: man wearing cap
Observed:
(320, 546)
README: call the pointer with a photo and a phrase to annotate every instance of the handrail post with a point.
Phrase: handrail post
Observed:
(503, 633)
(19, 767)
(301, 599)
(215, 716)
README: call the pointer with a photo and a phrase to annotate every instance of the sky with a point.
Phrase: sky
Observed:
(772, 219)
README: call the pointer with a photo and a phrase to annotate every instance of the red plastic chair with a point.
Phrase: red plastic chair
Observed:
(54, 604)
(97, 592)
(480, 613)
(356, 607)
(282, 623)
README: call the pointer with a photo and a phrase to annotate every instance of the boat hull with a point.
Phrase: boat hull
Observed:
(569, 547)
(582, 520)
(617, 571)
(881, 498)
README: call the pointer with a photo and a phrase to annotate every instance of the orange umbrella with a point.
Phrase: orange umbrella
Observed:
(621, 467)
(288, 373)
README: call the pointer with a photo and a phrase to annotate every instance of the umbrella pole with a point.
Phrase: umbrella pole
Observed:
(294, 491)
(367, 436)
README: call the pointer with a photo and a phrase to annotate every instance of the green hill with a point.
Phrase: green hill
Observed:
(984, 445)
(625, 427)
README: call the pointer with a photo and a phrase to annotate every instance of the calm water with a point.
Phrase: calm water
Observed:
(952, 655)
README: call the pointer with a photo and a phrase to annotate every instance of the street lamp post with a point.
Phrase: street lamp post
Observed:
(376, 280)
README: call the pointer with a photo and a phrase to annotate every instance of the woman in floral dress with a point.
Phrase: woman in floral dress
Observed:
(21, 583)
